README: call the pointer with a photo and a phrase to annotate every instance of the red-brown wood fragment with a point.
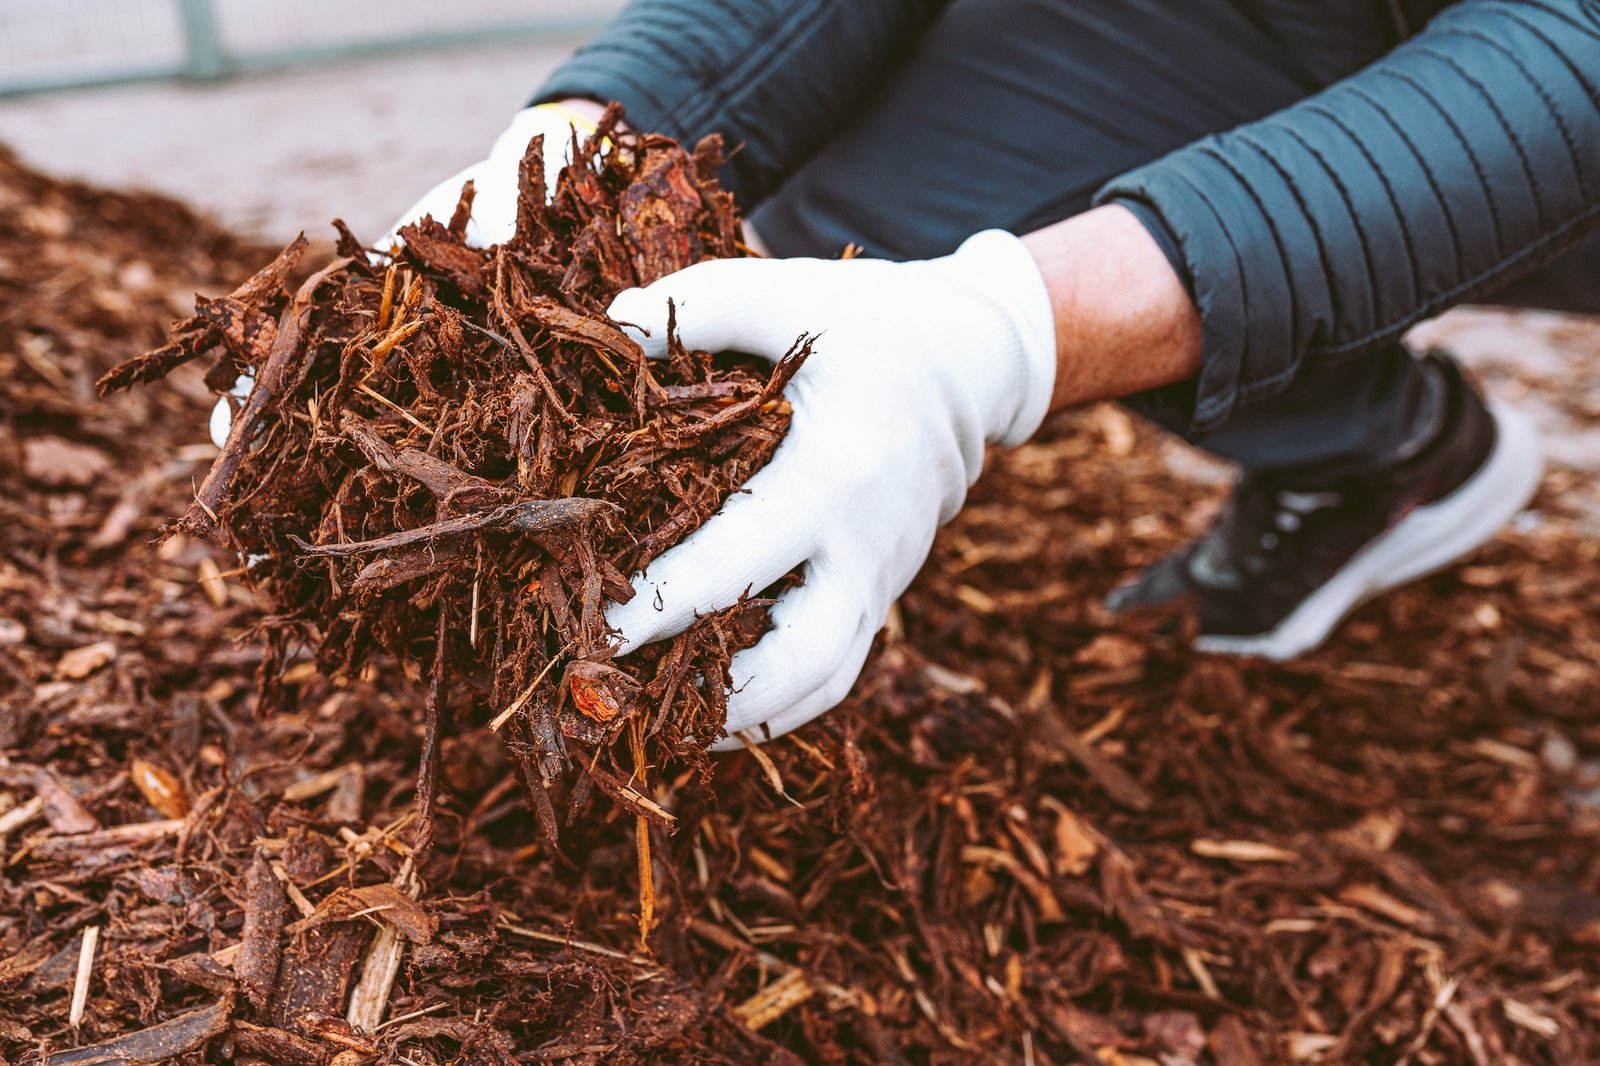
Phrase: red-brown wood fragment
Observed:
(658, 213)
(260, 941)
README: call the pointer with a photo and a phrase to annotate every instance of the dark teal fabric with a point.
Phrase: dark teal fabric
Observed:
(1325, 173)
(774, 77)
(1464, 159)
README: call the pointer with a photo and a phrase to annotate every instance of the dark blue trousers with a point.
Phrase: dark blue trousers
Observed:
(1011, 114)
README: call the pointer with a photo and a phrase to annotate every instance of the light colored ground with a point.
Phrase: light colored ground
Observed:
(54, 41)
(273, 154)
(276, 153)
(1548, 365)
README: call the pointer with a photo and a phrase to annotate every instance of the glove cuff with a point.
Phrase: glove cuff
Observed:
(555, 121)
(1015, 358)
(494, 212)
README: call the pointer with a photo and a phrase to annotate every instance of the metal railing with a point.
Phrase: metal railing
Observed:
(62, 44)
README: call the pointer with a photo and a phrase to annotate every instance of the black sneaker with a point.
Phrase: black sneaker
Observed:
(1297, 550)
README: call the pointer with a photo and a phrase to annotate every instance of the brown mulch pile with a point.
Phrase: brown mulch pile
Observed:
(452, 458)
(1029, 836)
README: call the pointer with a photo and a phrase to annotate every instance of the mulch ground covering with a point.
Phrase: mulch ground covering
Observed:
(452, 458)
(1029, 835)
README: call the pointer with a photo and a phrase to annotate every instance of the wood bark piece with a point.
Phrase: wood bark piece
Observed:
(201, 518)
(260, 946)
(526, 516)
(196, 335)
(159, 1043)
(279, 1046)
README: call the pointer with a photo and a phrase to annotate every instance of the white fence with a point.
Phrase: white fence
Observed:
(56, 44)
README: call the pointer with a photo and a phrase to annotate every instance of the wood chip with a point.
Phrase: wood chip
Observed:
(80, 983)
(211, 582)
(997, 859)
(160, 788)
(160, 1043)
(61, 808)
(775, 1000)
(1242, 851)
(116, 836)
(1116, 781)
(1524, 1016)
(83, 661)
(402, 918)
(62, 463)
(1374, 899)
(21, 815)
(260, 943)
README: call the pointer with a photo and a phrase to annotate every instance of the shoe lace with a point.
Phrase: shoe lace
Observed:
(1264, 529)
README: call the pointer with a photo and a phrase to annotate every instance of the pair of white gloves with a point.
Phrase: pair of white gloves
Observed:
(917, 366)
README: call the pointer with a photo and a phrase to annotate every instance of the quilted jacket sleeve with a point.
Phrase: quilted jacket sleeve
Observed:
(774, 77)
(1465, 158)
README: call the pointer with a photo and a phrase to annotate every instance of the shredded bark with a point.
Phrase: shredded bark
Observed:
(1029, 834)
(452, 458)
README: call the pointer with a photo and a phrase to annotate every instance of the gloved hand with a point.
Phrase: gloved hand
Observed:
(494, 207)
(917, 365)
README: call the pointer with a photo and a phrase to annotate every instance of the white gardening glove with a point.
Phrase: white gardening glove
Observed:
(494, 207)
(917, 365)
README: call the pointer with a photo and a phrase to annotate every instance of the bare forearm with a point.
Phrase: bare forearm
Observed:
(1124, 322)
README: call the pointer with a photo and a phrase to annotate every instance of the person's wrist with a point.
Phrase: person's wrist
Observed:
(1008, 333)
(1125, 320)
(579, 109)
(555, 121)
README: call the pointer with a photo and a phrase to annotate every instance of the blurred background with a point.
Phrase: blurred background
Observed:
(275, 115)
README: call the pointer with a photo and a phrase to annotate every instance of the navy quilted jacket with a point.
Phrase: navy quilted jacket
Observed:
(1455, 148)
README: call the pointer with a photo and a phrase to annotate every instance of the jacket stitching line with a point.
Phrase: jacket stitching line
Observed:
(1388, 189)
(1279, 244)
(1223, 399)
(1573, 154)
(1590, 88)
(1466, 146)
(1458, 292)
(1505, 126)
(1375, 300)
(1563, 15)
(1249, 139)
(1427, 173)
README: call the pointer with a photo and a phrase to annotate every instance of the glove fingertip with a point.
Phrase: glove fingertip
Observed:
(651, 614)
(221, 423)
(762, 686)
(782, 706)
(635, 627)
(222, 413)
(641, 320)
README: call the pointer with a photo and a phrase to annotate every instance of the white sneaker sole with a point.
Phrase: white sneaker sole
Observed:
(1427, 539)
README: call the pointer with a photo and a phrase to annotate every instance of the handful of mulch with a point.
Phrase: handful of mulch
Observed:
(452, 457)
